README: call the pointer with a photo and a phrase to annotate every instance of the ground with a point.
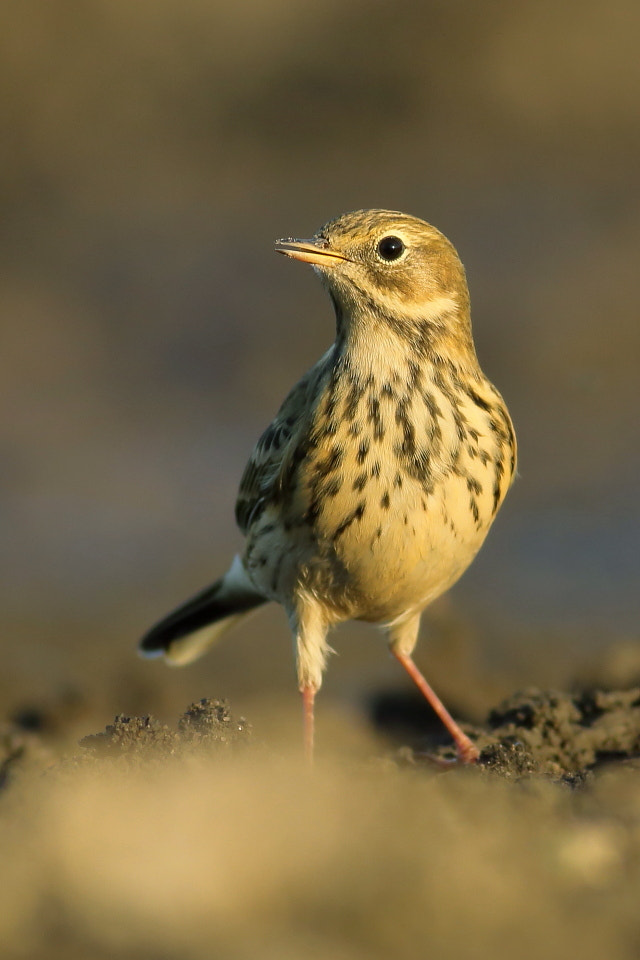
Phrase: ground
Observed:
(202, 840)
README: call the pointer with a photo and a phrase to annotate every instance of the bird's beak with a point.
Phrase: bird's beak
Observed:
(310, 251)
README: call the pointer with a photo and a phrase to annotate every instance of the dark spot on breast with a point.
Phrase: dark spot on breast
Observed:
(496, 496)
(478, 400)
(330, 405)
(398, 481)
(332, 488)
(497, 485)
(434, 431)
(357, 514)
(418, 466)
(385, 502)
(415, 375)
(363, 450)
(473, 485)
(459, 421)
(431, 404)
(351, 403)
(360, 482)
(330, 463)
(375, 418)
(375, 469)
(409, 442)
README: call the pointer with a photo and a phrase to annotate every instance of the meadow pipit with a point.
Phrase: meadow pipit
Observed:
(375, 485)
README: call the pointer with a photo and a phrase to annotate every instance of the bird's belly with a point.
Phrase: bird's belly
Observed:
(378, 553)
(394, 560)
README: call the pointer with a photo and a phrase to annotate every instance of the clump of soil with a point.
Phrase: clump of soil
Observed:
(545, 734)
(559, 736)
(32, 738)
(535, 733)
(204, 725)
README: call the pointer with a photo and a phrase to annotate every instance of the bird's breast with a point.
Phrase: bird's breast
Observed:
(386, 496)
(401, 485)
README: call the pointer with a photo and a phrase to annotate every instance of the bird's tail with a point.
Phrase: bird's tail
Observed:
(189, 631)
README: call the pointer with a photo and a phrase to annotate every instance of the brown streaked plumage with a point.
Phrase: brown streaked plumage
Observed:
(377, 481)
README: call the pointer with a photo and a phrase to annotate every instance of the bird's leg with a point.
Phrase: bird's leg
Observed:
(465, 748)
(308, 696)
(310, 630)
(402, 641)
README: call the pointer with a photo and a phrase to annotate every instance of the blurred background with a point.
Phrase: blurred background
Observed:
(151, 153)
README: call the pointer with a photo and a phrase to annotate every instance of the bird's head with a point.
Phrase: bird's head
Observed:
(389, 266)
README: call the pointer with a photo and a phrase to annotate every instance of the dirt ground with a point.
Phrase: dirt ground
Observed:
(154, 153)
(203, 840)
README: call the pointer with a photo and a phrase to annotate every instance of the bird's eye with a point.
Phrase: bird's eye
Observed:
(390, 248)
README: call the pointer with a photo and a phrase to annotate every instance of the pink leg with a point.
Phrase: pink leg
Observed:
(308, 696)
(466, 750)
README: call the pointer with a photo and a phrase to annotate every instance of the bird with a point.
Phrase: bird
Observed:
(375, 485)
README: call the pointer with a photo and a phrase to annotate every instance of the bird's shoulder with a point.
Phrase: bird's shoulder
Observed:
(277, 445)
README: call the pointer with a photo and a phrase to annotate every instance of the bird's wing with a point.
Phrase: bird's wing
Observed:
(277, 446)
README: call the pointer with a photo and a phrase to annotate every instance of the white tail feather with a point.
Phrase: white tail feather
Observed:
(194, 645)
